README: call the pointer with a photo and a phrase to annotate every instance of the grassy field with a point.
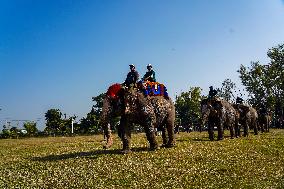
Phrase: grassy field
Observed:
(195, 162)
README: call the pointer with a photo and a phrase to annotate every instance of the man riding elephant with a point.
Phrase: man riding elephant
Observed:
(132, 77)
(219, 113)
(150, 74)
(134, 107)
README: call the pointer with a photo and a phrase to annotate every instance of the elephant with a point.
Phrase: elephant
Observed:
(218, 113)
(247, 118)
(135, 107)
(264, 121)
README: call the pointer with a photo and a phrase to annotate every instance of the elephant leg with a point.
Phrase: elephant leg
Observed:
(237, 129)
(220, 131)
(246, 128)
(267, 125)
(165, 138)
(151, 137)
(232, 131)
(211, 131)
(255, 128)
(261, 124)
(263, 128)
(150, 133)
(125, 135)
(171, 134)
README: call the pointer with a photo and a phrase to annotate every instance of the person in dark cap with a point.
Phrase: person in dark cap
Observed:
(132, 76)
(239, 100)
(150, 74)
(212, 92)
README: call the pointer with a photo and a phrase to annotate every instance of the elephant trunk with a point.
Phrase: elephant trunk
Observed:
(108, 135)
(105, 120)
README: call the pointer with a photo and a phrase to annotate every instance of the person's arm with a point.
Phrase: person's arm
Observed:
(154, 76)
(137, 76)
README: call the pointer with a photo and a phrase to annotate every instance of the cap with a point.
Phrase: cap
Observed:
(132, 65)
(149, 65)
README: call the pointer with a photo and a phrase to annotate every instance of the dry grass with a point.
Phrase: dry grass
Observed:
(80, 162)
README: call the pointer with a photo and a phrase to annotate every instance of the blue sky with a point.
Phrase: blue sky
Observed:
(58, 54)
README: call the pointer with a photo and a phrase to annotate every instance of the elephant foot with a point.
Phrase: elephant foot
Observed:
(153, 148)
(164, 146)
(170, 145)
(106, 146)
(220, 138)
(211, 139)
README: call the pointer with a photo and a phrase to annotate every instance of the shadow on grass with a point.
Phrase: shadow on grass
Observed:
(204, 139)
(92, 154)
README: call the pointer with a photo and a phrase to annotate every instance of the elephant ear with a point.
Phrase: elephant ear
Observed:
(217, 105)
(245, 108)
(114, 91)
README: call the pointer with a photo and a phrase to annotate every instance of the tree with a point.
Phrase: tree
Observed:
(31, 128)
(90, 123)
(187, 106)
(53, 121)
(265, 83)
(5, 132)
(98, 106)
(227, 89)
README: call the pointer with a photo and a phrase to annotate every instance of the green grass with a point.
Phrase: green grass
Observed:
(80, 162)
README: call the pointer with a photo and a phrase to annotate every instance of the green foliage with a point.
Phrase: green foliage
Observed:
(226, 92)
(53, 121)
(5, 133)
(98, 106)
(196, 162)
(187, 106)
(255, 80)
(265, 83)
(90, 124)
(31, 128)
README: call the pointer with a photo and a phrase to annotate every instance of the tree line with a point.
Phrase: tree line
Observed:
(264, 86)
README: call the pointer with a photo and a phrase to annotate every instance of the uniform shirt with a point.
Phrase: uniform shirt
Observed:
(132, 77)
(150, 76)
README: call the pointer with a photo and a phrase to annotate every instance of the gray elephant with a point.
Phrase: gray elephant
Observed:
(218, 113)
(247, 118)
(135, 107)
(264, 121)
